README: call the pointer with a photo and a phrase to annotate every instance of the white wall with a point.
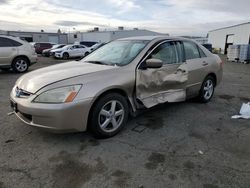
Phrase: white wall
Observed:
(107, 36)
(97, 36)
(132, 33)
(241, 36)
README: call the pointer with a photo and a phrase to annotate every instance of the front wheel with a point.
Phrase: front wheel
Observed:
(207, 89)
(109, 115)
(65, 56)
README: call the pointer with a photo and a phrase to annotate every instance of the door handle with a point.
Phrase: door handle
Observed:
(204, 63)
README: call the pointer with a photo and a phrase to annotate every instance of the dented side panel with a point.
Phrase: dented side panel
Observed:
(166, 84)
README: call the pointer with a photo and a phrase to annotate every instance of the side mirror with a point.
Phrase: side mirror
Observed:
(154, 63)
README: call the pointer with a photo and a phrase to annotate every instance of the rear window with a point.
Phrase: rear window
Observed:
(5, 42)
(191, 50)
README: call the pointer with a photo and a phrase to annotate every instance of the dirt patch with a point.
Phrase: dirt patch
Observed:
(226, 97)
(1, 185)
(88, 142)
(9, 141)
(69, 172)
(121, 178)
(210, 186)
(246, 99)
(154, 160)
(172, 177)
(196, 135)
(151, 122)
(189, 165)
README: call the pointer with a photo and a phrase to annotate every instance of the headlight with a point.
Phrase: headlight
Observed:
(58, 95)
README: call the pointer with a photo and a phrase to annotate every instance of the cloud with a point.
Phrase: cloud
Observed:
(76, 23)
(194, 17)
(124, 5)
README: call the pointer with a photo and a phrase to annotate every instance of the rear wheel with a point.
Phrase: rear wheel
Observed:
(65, 56)
(20, 64)
(207, 89)
(109, 115)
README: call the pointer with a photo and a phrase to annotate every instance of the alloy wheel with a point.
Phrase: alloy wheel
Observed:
(111, 116)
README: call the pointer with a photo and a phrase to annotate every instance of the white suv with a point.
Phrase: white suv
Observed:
(16, 54)
(71, 51)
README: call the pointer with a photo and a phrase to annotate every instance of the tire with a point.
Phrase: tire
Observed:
(65, 56)
(20, 65)
(103, 121)
(207, 89)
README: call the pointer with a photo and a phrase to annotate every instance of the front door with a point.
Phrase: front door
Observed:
(165, 84)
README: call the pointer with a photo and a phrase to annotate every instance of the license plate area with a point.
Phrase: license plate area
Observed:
(13, 105)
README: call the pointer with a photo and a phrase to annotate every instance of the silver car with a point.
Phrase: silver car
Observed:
(100, 91)
(16, 54)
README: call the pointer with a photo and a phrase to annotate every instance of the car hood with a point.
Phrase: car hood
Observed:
(57, 50)
(35, 80)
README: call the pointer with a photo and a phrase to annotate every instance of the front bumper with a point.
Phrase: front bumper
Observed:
(57, 55)
(67, 117)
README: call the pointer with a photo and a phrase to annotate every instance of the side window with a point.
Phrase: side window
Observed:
(4, 42)
(15, 43)
(191, 50)
(202, 54)
(167, 52)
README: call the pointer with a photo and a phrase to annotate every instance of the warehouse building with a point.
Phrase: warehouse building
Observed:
(58, 38)
(106, 36)
(224, 37)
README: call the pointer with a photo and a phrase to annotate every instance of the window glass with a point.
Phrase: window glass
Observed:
(167, 52)
(179, 48)
(191, 50)
(4, 42)
(118, 53)
(202, 54)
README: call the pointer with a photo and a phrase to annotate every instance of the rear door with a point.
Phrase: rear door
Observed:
(165, 84)
(82, 50)
(197, 64)
(7, 51)
(73, 52)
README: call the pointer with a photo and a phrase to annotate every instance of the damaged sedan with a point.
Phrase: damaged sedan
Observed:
(100, 91)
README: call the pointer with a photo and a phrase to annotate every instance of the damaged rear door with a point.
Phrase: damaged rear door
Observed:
(155, 85)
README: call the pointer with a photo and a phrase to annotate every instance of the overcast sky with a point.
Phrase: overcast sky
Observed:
(189, 17)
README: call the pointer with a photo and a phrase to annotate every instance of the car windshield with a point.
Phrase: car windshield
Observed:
(66, 47)
(55, 46)
(116, 53)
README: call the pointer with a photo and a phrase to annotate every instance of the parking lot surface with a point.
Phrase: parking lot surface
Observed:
(185, 145)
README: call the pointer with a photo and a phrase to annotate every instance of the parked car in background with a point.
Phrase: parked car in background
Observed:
(124, 76)
(70, 51)
(96, 46)
(87, 43)
(40, 46)
(208, 46)
(54, 47)
(16, 54)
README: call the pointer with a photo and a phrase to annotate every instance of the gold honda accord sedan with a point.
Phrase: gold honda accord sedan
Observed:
(124, 76)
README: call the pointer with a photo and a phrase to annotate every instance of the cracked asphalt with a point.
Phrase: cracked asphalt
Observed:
(187, 145)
